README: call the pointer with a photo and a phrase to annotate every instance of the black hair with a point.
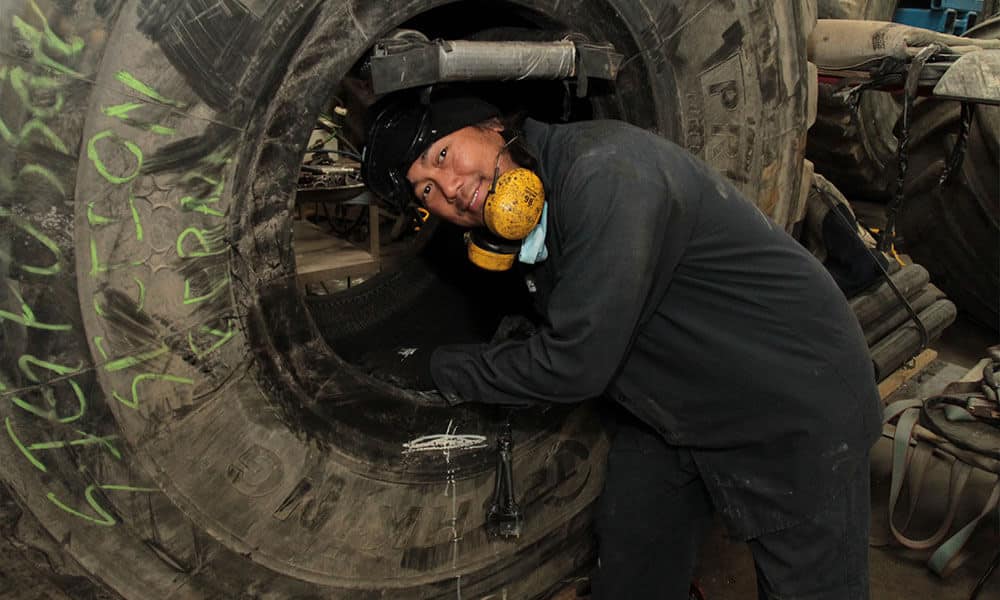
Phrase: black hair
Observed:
(520, 152)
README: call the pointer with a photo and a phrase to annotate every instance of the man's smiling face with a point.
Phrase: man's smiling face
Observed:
(452, 177)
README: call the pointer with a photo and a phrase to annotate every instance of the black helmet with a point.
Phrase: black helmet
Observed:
(401, 128)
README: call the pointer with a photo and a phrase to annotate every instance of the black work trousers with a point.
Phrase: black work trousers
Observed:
(655, 512)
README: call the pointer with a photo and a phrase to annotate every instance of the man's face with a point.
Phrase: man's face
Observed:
(452, 177)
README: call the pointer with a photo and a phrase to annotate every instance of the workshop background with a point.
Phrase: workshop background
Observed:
(210, 331)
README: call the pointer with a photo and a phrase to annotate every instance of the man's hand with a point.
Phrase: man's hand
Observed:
(447, 363)
(435, 399)
(514, 327)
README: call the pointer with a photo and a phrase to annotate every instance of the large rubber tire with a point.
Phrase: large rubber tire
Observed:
(857, 149)
(954, 230)
(176, 425)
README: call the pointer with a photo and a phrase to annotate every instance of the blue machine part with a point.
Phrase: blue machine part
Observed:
(945, 16)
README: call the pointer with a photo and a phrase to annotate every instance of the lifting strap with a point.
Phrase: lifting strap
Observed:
(913, 447)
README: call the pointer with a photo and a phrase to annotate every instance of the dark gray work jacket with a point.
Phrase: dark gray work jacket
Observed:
(669, 292)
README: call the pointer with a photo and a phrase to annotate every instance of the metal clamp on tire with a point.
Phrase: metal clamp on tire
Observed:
(408, 59)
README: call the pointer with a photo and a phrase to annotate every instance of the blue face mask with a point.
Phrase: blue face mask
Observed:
(533, 248)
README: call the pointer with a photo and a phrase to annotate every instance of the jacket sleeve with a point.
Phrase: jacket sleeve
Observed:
(612, 221)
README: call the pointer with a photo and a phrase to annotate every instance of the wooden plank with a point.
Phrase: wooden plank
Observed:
(309, 237)
(319, 256)
(323, 243)
(337, 272)
(326, 261)
(903, 374)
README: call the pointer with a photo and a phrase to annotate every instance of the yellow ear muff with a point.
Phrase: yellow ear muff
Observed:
(514, 209)
(489, 252)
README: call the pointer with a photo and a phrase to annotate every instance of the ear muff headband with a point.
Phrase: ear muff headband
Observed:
(516, 206)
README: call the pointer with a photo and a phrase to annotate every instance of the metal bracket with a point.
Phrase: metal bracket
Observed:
(409, 61)
(504, 518)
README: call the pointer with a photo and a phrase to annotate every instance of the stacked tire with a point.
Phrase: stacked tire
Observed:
(950, 229)
(953, 228)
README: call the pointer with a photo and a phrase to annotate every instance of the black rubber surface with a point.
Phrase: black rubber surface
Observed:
(856, 148)
(954, 229)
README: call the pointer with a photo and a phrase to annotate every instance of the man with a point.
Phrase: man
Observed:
(743, 378)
